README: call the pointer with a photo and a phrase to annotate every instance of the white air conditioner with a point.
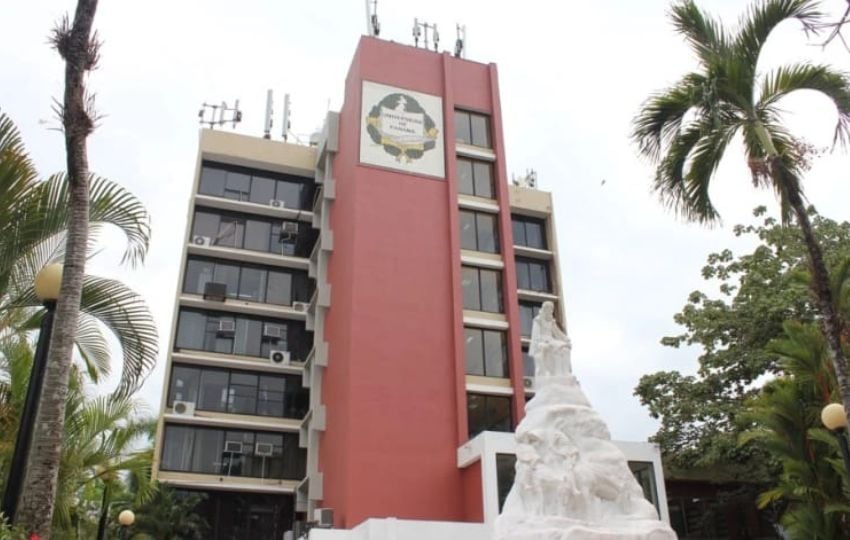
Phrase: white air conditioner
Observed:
(300, 307)
(226, 327)
(233, 447)
(199, 240)
(263, 449)
(289, 227)
(279, 358)
(183, 408)
(277, 203)
(272, 331)
(324, 517)
(528, 383)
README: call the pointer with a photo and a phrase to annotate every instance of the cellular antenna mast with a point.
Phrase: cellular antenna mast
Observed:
(212, 114)
(460, 42)
(373, 27)
(421, 29)
(286, 125)
(267, 124)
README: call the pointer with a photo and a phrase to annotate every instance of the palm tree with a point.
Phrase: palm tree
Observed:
(169, 516)
(101, 441)
(686, 129)
(33, 216)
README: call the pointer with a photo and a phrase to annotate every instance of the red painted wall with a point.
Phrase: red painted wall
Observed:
(394, 387)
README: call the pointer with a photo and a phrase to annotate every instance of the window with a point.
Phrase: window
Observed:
(479, 231)
(248, 185)
(475, 178)
(239, 392)
(232, 453)
(505, 473)
(486, 353)
(488, 413)
(472, 128)
(228, 229)
(240, 334)
(527, 312)
(248, 282)
(527, 363)
(532, 275)
(529, 232)
(482, 289)
(645, 475)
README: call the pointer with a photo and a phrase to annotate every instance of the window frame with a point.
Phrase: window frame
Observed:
(474, 165)
(479, 292)
(490, 424)
(282, 182)
(487, 364)
(522, 239)
(523, 267)
(466, 117)
(292, 246)
(477, 225)
(301, 286)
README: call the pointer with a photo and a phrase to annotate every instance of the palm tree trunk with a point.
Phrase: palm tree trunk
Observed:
(37, 499)
(831, 323)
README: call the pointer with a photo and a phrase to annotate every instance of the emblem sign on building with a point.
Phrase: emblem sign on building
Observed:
(402, 130)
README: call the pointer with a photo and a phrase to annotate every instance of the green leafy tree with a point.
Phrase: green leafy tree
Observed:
(756, 293)
(687, 128)
(785, 420)
(169, 516)
(101, 443)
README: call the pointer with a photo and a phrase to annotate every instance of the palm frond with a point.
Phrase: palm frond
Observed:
(93, 347)
(834, 85)
(761, 18)
(705, 35)
(660, 118)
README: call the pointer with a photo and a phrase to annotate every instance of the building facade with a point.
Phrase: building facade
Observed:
(352, 313)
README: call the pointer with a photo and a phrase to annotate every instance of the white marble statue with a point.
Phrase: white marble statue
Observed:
(572, 482)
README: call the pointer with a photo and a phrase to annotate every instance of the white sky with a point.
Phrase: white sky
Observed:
(572, 75)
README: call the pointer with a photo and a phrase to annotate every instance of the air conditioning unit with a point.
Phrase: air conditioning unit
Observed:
(289, 535)
(215, 291)
(528, 383)
(279, 358)
(199, 240)
(276, 203)
(300, 307)
(273, 331)
(289, 227)
(324, 517)
(262, 449)
(233, 447)
(183, 408)
(226, 327)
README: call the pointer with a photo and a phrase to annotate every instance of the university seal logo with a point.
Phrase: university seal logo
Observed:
(402, 127)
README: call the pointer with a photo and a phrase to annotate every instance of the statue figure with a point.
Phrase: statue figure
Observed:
(572, 482)
(550, 346)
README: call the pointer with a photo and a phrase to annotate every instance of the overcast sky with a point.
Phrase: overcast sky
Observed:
(572, 75)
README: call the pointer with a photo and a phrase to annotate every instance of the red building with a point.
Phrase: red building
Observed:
(352, 313)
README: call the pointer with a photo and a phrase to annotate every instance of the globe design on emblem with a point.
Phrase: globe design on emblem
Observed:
(400, 124)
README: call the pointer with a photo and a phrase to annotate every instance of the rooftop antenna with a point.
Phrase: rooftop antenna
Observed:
(285, 116)
(420, 29)
(267, 125)
(212, 114)
(373, 27)
(460, 42)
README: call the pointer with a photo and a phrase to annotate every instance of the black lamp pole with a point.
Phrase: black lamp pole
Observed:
(841, 435)
(22, 443)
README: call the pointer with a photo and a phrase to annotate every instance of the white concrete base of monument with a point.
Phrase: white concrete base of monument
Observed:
(555, 528)
(405, 529)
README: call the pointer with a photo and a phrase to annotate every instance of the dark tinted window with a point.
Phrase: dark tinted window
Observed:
(505, 473)
(482, 289)
(249, 282)
(232, 453)
(239, 392)
(532, 275)
(241, 334)
(529, 232)
(475, 178)
(486, 353)
(472, 128)
(268, 235)
(479, 231)
(527, 312)
(260, 187)
(488, 413)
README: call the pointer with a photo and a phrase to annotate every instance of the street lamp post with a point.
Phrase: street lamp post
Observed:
(126, 519)
(47, 284)
(835, 420)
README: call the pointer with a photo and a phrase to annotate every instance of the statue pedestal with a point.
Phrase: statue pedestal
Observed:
(571, 481)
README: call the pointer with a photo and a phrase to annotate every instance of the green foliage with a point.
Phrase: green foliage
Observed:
(170, 516)
(33, 218)
(757, 292)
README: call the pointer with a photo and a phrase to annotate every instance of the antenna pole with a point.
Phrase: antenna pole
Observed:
(368, 18)
(267, 125)
(285, 116)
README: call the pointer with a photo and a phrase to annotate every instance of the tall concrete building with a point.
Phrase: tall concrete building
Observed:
(353, 314)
